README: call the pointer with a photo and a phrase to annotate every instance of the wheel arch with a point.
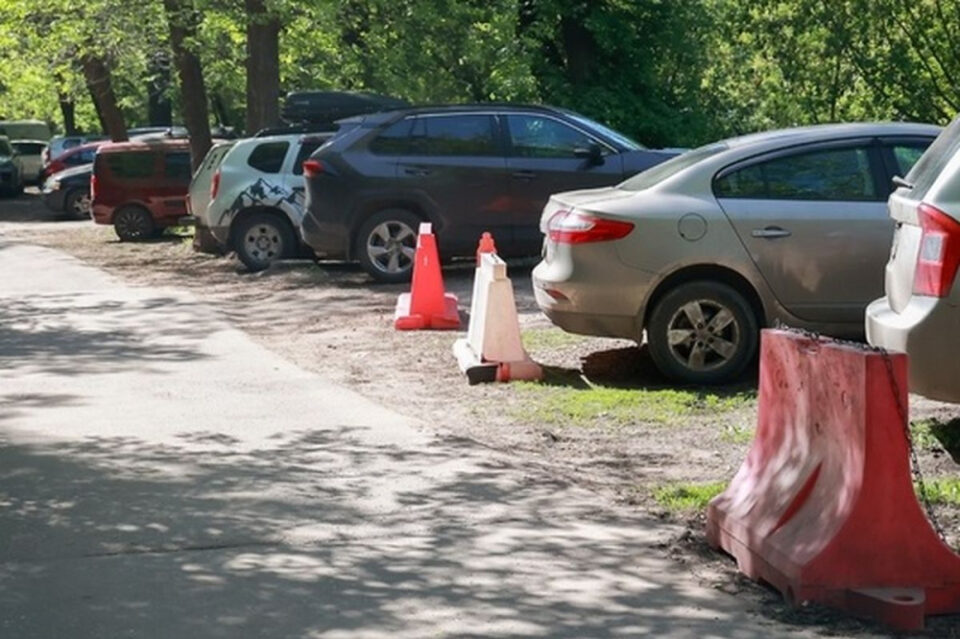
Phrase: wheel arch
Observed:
(708, 272)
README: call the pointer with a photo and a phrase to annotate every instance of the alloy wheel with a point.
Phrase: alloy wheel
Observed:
(391, 247)
(703, 335)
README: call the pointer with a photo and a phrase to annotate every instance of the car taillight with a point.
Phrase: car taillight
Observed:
(215, 185)
(312, 168)
(939, 253)
(93, 187)
(570, 227)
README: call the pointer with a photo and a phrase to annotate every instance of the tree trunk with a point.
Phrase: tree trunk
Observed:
(263, 67)
(159, 106)
(68, 110)
(182, 18)
(97, 74)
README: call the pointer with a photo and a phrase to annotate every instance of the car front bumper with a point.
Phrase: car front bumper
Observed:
(926, 329)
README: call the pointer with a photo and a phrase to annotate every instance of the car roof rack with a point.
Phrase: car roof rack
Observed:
(292, 129)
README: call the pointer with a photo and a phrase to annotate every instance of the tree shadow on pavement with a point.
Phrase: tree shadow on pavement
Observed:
(327, 533)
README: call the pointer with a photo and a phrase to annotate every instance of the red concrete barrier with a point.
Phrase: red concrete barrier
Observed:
(823, 507)
(426, 306)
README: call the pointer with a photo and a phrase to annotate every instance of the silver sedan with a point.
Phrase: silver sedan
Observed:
(698, 253)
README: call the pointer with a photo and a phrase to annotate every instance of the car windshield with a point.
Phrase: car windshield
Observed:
(671, 167)
(619, 138)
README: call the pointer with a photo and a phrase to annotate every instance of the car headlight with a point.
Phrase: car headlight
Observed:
(51, 185)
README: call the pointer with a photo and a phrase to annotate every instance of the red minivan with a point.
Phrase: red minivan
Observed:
(140, 187)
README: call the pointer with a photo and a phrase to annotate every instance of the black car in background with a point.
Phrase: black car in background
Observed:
(69, 191)
(466, 169)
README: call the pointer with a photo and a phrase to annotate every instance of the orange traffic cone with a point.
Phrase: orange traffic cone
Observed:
(426, 305)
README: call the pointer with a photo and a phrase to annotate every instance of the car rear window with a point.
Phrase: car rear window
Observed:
(268, 157)
(657, 174)
(29, 148)
(928, 167)
(131, 165)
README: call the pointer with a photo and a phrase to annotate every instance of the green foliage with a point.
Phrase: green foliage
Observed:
(943, 490)
(677, 72)
(681, 497)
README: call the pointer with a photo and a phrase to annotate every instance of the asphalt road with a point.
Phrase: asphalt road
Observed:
(162, 476)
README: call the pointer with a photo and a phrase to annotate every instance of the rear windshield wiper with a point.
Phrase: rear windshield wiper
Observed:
(899, 181)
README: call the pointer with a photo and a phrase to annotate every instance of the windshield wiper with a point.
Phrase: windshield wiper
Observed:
(899, 181)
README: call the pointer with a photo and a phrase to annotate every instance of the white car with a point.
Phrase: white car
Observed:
(247, 197)
(920, 314)
(31, 158)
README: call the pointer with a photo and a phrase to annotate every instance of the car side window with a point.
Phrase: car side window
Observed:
(830, 174)
(454, 135)
(307, 147)
(268, 157)
(132, 165)
(533, 136)
(176, 166)
(394, 140)
(906, 155)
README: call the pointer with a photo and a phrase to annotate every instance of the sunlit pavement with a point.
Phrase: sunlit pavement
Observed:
(163, 476)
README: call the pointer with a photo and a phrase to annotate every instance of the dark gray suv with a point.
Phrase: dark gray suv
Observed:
(467, 169)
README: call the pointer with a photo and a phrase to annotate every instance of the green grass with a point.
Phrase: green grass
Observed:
(922, 433)
(563, 406)
(933, 434)
(683, 497)
(944, 491)
(738, 434)
(536, 339)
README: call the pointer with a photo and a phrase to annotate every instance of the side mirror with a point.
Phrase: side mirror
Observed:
(593, 154)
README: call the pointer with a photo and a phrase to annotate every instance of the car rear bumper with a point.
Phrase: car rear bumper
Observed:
(925, 329)
(591, 295)
(325, 240)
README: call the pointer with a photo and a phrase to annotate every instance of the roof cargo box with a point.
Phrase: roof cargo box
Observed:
(326, 107)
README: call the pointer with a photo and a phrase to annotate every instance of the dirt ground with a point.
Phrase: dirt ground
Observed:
(333, 320)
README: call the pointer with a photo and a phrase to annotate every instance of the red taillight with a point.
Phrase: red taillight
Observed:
(93, 187)
(215, 185)
(570, 227)
(312, 168)
(939, 253)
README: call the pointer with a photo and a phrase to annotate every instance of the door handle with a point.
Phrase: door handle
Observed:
(524, 175)
(417, 172)
(770, 232)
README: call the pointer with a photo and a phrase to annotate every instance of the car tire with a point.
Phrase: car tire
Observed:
(133, 224)
(387, 243)
(77, 204)
(262, 238)
(702, 332)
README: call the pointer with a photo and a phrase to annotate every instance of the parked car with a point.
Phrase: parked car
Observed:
(467, 169)
(60, 144)
(140, 187)
(11, 169)
(76, 156)
(25, 129)
(31, 158)
(69, 191)
(920, 313)
(702, 250)
(248, 196)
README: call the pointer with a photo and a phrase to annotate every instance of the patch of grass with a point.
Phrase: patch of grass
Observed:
(738, 434)
(922, 433)
(944, 491)
(538, 339)
(561, 406)
(683, 497)
(933, 434)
